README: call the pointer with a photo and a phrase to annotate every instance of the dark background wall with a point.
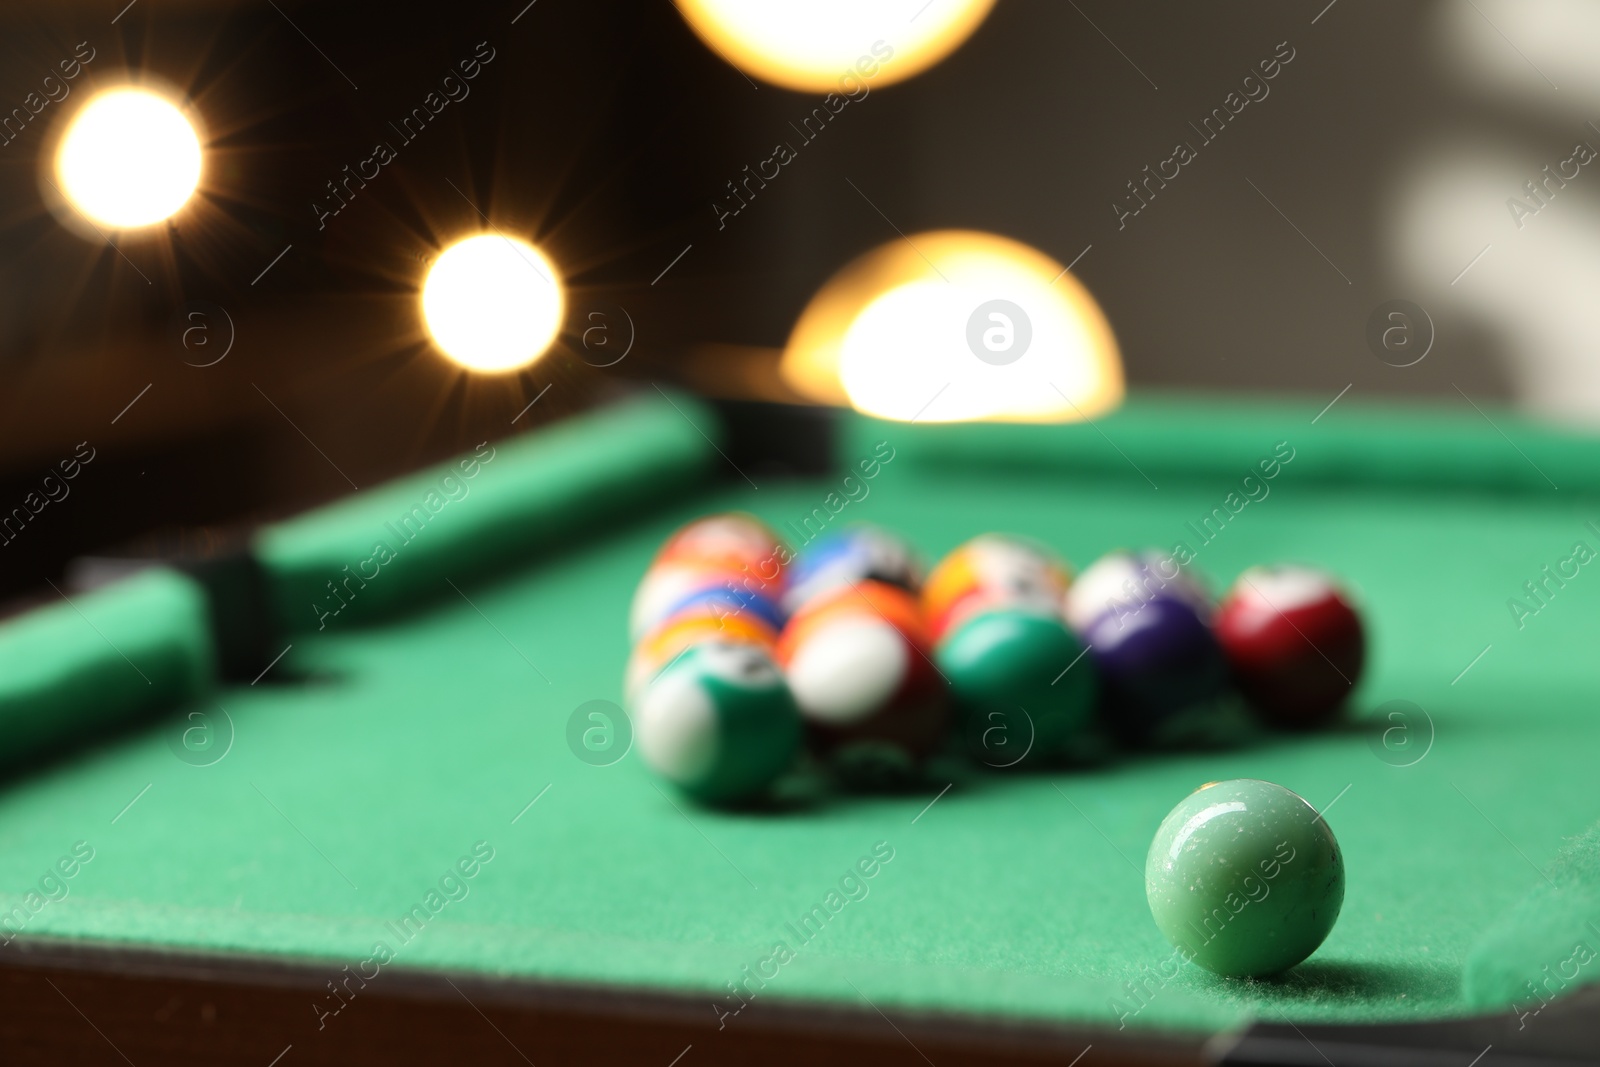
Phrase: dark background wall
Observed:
(604, 131)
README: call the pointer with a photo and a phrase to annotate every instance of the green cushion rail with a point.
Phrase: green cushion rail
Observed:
(1167, 437)
(70, 672)
(400, 545)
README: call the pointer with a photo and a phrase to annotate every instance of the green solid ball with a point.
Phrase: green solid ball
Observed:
(719, 723)
(1244, 878)
(1005, 669)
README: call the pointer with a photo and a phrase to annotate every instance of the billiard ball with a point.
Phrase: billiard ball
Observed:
(1160, 668)
(668, 587)
(856, 554)
(859, 664)
(732, 551)
(1022, 686)
(1244, 878)
(727, 601)
(1294, 643)
(992, 570)
(1163, 675)
(665, 644)
(719, 723)
(1118, 582)
(733, 541)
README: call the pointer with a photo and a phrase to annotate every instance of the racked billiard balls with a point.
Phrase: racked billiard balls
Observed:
(1294, 643)
(719, 723)
(1022, 687)
(1244, 878)
(859, 664)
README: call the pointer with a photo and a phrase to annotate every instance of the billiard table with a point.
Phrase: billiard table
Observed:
(363, 792)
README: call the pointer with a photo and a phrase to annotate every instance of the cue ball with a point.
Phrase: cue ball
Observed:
(719, 723)
(1244, 878)
(1293, 642)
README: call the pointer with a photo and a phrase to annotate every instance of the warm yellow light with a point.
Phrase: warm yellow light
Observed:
(129, 158)
(839, 45)
(956, 325)
(492, 303)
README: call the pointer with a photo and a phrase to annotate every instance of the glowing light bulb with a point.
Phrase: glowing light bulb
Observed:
(129, 158)
(818, 45)
(493, 303)
(957, 325)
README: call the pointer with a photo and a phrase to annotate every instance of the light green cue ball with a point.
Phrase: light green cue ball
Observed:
(1244, 878)
(719, 723)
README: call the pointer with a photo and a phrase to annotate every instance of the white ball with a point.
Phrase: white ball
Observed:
(847, 670)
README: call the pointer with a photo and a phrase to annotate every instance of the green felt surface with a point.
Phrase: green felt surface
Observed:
(1549, 943)
(348, 792)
